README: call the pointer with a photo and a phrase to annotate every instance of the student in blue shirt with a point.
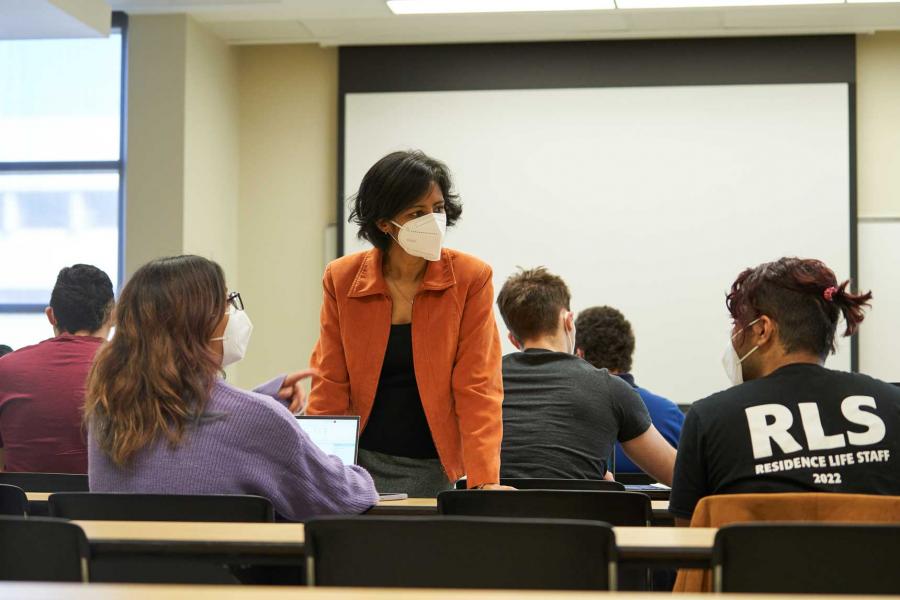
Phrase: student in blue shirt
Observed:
(604, 338)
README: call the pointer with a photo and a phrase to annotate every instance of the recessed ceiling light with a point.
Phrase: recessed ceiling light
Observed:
(714, 3)
(433, 7)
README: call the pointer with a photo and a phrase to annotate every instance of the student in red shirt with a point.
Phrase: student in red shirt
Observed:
(42, 386)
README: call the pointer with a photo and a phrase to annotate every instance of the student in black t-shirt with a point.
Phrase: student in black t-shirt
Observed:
(561, 415)
(794, 426)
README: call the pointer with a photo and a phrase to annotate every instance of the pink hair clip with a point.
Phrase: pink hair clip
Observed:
(829, 293)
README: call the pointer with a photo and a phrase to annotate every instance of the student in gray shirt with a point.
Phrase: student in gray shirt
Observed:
(561, 415)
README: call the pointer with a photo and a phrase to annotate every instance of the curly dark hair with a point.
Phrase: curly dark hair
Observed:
(394, 183)
(803, 297)
(82, 298)
(606, 338)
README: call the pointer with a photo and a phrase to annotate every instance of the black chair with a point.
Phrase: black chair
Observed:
(46, 482)
(616, 508)
(807, 558)
(40, 549)
(13, 501)
(161, 507)
(458, 552)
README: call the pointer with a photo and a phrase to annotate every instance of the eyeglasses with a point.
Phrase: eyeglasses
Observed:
(234, 299)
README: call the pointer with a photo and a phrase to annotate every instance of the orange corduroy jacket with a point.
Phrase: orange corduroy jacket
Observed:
(456, 353)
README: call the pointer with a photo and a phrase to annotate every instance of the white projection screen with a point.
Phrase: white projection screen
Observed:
(647, 198)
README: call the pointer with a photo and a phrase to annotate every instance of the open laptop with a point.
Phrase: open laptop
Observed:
(333, 435)
(338, 436)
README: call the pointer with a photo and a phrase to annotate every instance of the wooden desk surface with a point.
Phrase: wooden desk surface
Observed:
(407, 503)
(658, 505)
(636, 542)
(106, 591)
(411, 503)
(193, 531)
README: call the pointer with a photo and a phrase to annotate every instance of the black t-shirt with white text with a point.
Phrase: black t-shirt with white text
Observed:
(803, 428)
(562, 416)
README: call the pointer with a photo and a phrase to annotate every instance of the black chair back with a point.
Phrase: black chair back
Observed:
(161, 507)
(13, 501)
(40, 549)
(563, 484)
(456, 552)
(617, 508)
(807, 558)
(46, 482)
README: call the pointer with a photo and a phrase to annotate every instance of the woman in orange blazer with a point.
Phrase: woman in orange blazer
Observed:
(408, 340)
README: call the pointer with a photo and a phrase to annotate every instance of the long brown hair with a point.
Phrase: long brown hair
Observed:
(155, 375)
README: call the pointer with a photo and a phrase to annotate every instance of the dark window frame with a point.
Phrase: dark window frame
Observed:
(119, 24)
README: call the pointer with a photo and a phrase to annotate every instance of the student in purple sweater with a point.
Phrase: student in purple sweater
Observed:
(162, 420)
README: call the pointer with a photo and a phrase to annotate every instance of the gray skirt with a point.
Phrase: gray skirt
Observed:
(415, 477)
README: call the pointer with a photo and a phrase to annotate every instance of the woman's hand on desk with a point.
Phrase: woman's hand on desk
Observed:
(292, 389)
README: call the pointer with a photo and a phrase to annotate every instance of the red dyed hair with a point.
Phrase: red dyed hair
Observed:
(792, 292)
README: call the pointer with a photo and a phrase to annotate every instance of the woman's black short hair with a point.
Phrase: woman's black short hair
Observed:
(394, 183)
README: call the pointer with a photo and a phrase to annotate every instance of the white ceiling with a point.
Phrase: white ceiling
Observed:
(355, 22)
(36, 19)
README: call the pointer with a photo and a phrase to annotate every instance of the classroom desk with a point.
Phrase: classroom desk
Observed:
(38, 505)
(428, 506)
(274, 543)
(407, 503)
(282, 543)
(409, 506)
(106, 591)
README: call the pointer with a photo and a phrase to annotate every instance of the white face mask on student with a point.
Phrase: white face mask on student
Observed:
(236, 337)
(732, 362)
(423, 236)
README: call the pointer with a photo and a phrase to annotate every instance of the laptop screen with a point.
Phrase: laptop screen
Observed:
(333, 435)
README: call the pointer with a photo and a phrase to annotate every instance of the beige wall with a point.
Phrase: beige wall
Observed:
(183, 150)
(287, 189)
(155, 157)
(878, 124)
(231, 155)
(183, 145)
(211, 150)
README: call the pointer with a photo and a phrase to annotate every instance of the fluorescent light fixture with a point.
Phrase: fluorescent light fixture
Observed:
(714, 3)
(873, 1)
(435, 7)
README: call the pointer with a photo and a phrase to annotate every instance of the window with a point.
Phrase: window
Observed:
(61, 170)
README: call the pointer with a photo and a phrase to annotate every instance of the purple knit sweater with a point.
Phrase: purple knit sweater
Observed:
(246, 443)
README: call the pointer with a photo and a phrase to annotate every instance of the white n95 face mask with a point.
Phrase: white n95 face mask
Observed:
(236, 337)
(731, 361)
(424, 236)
